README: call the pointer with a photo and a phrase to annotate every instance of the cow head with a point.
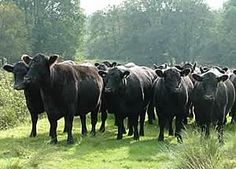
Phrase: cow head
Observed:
(172, 78)
(39, 67)
(114, 78)
(234, 71)
(19, 70)
(209, 82)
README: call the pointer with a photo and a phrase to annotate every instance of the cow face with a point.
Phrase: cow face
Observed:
(172, 78)
(19, 70)
(209, 82)
(39, 68)
(114, 79)
(101, 66)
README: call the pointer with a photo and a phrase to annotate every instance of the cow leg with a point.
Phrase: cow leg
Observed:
(161, 123)
(151, 114)
(120, 123)
(142, 119)
(232, 117)
(135, 125)
(94, 119)
(179, 126)
(83, 123)
(104, 118)
(171, 131)
(34, 119)
(69, 121)
(53, 130)
(65, 126)
(131, 130)
(207, 130)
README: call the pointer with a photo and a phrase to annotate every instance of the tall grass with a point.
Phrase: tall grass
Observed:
(13, 109)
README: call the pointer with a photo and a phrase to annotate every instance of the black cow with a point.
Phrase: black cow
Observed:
(66, 91)
(32, 93)
(211, 101)
(130, 91)
(171, 98)
(230, 85)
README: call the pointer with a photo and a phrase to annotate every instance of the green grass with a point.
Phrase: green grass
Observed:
(18, 151)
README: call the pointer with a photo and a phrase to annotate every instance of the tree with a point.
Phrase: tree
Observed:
(13, 32)
(54, 26)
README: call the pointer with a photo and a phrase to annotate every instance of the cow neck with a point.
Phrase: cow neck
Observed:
(46, 83)
(122, 89)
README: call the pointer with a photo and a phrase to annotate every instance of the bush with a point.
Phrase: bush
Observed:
(199, 153)
(13, 108)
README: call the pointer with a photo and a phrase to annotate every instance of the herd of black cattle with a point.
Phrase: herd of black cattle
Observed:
(65, 89)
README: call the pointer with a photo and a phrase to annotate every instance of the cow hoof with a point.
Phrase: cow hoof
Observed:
(136, 137)
(171, 133)
(179, 140)
(93, 133)
(141, 133)
(102, 129)
(130, 133)
(150, 122)
(160, 139)
(32, 135)
(123, 131)
(53, 141)
(119, 137)
(69, 142)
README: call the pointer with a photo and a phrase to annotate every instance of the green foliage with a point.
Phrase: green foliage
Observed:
(153, 31)
(13, 109)
(41, 26)
(13, 32)
(205, 155)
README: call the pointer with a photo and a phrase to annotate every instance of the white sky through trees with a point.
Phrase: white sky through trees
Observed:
(91, 6)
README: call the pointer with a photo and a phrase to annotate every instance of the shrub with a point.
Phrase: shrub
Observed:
(13, 109)
(199, 153)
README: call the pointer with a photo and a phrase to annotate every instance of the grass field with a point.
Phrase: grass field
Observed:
(18, 151)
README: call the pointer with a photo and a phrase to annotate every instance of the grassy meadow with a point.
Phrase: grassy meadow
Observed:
(18, 151)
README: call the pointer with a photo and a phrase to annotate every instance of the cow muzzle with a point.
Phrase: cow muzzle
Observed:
(209, 98)
(19, 86)
(27, 80)
(108, 90)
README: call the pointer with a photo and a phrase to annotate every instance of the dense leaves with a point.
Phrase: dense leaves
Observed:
(43, 26)
(150, 31)
(12, 103)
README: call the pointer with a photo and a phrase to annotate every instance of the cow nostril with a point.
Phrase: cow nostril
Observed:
(27, 79)
(107, 89)
(209, 97)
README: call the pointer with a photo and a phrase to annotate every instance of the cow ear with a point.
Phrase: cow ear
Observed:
(108, 64)
(194, 65)
(26, 58)
(225, 69)
(185, 72)
(197, 77)
(179, 67)
(8, 68)
(102, 73)
(96, 64)
(155, 66)
(52, 59)
(125, 74)
(159, 72)
(222, 78)
(114, 64)
(234, 71)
